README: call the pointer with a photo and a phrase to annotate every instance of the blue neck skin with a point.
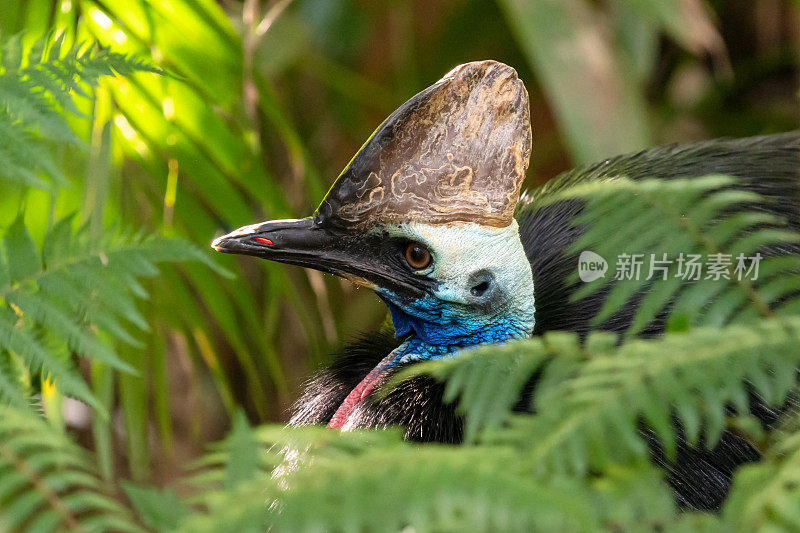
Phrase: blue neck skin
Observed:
(437, 330)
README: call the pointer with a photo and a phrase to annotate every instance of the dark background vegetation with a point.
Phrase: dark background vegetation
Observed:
(268, 102)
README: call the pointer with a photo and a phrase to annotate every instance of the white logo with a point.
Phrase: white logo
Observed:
(591, 266)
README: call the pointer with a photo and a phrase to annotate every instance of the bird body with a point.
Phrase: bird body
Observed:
(546, 230)
(422, 214)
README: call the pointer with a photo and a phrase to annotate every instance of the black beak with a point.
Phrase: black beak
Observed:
(366, 260)
(296, 241)
(299, 242)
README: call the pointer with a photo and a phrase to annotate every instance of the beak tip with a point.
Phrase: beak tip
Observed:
(217, 243)
(222, 243)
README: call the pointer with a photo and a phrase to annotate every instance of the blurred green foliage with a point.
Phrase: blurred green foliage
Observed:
(264, 103)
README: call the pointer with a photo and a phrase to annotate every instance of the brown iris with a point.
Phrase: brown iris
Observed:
(417, 256)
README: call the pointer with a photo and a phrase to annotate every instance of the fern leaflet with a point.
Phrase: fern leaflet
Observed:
(47, 482)
(31, 96)
(55, 302)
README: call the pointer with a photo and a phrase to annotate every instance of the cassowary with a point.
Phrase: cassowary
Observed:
(428, 215)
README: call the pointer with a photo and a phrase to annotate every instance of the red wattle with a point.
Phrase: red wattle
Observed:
(347, 407)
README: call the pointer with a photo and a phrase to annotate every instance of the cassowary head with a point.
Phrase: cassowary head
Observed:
(423, 214)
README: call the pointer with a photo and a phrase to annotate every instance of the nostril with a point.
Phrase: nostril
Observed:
(481, 285)
(480, 288)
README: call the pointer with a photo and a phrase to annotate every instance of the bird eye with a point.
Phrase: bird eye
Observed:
(417, 256)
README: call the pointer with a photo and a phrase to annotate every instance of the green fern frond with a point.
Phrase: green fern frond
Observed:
(367, 480)
(31, 96)
(590, 400)
(764, 496)
(433, 488)
(592, 416)
(47, 482)
(25, 159)
(702, 216)
(55, 302)
(279, 452)
(63, 74)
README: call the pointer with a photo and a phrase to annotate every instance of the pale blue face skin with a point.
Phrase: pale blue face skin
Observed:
(484, 296)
